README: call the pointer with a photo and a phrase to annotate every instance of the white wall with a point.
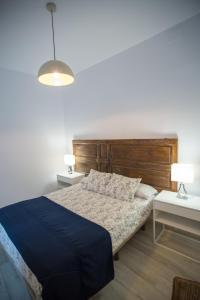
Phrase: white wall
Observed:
(151, 90)
(32, 141)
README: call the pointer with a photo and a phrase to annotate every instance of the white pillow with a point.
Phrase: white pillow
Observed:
(145, 191)
(84, 182)
(122, 187)
(96, 181)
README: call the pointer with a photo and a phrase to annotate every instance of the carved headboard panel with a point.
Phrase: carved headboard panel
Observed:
(149, 159)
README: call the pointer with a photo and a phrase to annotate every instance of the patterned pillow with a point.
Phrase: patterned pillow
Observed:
(97, 181)
(84, 182)
(123, 188)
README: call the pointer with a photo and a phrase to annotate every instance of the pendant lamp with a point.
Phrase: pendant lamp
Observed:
(55, 72)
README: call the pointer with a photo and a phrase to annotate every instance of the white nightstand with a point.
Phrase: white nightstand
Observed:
(177, 213)
(66, 179)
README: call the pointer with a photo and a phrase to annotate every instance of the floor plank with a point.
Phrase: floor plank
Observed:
(146, 271)
(180, 243)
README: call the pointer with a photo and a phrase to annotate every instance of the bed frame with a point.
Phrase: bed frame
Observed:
(149, 159)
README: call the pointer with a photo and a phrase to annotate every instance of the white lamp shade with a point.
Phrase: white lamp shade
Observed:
(55, 73)
(182, 173)
(69, 159)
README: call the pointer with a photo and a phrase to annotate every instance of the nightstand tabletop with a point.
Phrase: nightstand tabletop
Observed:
(71, 179)
(193, 202)
(71, 176)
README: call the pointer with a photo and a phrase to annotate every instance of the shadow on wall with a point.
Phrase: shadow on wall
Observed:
(150, 135)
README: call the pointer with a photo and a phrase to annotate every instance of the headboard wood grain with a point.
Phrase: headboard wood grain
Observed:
(149, 159)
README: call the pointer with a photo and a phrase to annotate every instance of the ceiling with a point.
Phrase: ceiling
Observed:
(86, 31)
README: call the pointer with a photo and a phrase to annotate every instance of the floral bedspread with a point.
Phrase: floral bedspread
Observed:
(120, 218)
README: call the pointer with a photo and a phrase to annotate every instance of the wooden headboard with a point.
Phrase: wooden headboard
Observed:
(149, 159)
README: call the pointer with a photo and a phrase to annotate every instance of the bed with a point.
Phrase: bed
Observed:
(149, 159)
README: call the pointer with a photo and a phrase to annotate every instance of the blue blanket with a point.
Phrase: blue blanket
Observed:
(70, 256)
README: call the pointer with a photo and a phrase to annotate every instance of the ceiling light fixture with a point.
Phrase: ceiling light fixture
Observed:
(55, 72)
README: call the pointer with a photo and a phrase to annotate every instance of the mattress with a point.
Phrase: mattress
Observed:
(120, 218)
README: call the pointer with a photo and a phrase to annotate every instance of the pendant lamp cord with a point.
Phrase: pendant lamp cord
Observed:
(54, 47)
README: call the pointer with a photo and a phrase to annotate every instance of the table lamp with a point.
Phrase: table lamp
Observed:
(69, 160)
(182, 173)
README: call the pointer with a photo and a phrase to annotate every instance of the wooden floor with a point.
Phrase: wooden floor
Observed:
(145, 271)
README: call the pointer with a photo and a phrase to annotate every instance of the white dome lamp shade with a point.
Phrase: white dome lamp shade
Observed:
(55, 72)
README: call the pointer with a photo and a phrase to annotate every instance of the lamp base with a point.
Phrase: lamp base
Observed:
(70, 171)
(182, 193)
